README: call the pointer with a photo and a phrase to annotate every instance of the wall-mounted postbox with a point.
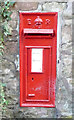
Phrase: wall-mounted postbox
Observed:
(38, 50)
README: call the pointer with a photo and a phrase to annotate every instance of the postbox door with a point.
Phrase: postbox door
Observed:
(38, 73)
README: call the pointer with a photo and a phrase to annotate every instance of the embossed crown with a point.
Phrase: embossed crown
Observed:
(38, 21)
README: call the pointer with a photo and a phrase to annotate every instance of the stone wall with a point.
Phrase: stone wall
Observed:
(10, 62)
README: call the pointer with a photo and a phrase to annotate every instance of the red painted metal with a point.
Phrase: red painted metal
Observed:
(38, 31)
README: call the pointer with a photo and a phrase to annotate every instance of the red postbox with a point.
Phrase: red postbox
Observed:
(38, 51)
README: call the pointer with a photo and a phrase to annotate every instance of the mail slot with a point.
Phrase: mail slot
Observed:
(37, 51)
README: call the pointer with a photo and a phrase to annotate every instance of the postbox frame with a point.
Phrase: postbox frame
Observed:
(21, 66)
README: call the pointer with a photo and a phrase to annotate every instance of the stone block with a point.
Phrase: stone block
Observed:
(73, 7)
(67, 22)
(8, 64)
(11, 86)
(13, 24)
(41, 112)
(11, 48)
(54, 7)
(14, 33)
(11, 39)
(70, 0)
(67, 49)
(6, 71)
(42, 1)
(14, 15)
(25, 6)
(70, 82)
(17, 62)
(63, 97)
(66, 34)
(68, 11)
(67, 67)
(8, 114)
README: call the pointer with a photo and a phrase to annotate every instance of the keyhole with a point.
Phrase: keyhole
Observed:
(32, 79)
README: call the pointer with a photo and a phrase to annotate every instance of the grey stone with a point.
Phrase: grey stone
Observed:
(14, 33)
(17, 62)
(14, 15)
(52, 113)
(43, 112)
(25, 5)
(66, 34)
(54, 7)
(8, 113)
(42, 1)
(44, 116)
(6, 71)
(11, 50)
(70, 82)
(13, 24)
(12, 39)
(10, 64)
(67, 22)
(70, 0)
(39, 7)
(68, 12)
